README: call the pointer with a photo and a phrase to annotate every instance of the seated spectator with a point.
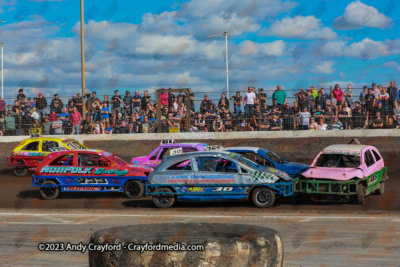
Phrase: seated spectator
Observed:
(68, 127)
(46, 127)
(237, 101)
(265, 125)
(242, 125)
(358, 119)
(313, 125)
(223, 102)
(337, 125)
(318, 113)
(274, 112)
(321, 125)
(265, 109)
(56, 108)
(378, 121)
(305, 117)
(396, 109)
(123, 129)
(164, 126)
(228, 125)
(108, 129)
(205, 104)
(253, 125)
(211, 114)
(275, 107)
(344, 117)
(275, 125)
(310, 101)
(369, 103)
(288, 118)
(332, 103)
(391, 124)
(97, 129)
(385, 101)
(200, 122)
(257, 111)
(53, 115)
(218, 125)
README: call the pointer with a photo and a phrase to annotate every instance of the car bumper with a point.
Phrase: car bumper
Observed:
(324, 187)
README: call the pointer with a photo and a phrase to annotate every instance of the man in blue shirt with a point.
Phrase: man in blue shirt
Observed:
(64, 115)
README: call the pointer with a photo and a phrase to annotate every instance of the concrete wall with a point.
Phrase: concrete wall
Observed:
(300, 146)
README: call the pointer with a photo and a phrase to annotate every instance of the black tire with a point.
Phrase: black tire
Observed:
(49, 193)
(133, 189)
(163, 201)
(360, 194)
(263, 197)
(381, 189)
(20, 171)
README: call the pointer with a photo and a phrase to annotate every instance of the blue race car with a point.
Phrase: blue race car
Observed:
(213, 176)
(267, 158)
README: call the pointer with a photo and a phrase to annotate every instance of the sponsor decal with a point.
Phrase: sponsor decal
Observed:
(80, 170)
(266, 177)
(83, 189)
(55, 149)
(232, 155)
(92, 180)
(218, 178)
(146, 162)
(30, 154)
(195, 189)
(222, 189)
(112, 171)
(215, 147)
(176, 151)
(113, 189)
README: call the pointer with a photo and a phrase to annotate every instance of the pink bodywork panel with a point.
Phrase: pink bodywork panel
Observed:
(344, 174)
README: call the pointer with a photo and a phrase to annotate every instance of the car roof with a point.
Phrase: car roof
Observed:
(346, 147)
(56, 139)
(182, 144)
(247, 148)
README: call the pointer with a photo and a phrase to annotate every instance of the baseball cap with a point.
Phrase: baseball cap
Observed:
(206, 95)
(40, 94)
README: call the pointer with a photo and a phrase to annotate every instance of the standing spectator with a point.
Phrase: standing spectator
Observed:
(211, 113)
(91, 104)
(218, 125)
(369, 103)
(376, 93)
(332, 102)
(9, 121)
(191, 100)
(262, 96)
(29, 105)
(248, 101)
(73, 99)
(105, 113)
(67, 126)
(301, 98)
(79, 102)
(20, 94)
(46, 126)
(41, 105)
(136, 102)
(164, 97)
(116, 100)
(56, 108)
(237, 102)
(310, 101)
(56, 100)
(96, 111)
(127, 102)
(205, 104)
(181, 98)
(279, 95)
(313, 92)
(64, 114)
(344, 118)
(288, 118)
(321, 125)
(323, 93)
(385, 101)
(296, 113)
(105, 100)
(337, 125)
(320, 101)
(70, 107)
(223, 102)
(358, 119)
(393, 95)
(57, 126)
(171, 98)
(304, 119)
(145, 101)
(3, 106)
(76, 120)
(313, 125)
(362, 96)
(348, 95)
(338, 94)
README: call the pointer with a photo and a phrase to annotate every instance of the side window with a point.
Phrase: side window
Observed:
(243, 170)
(154, 157)
(274, 157)
(183, 165)
(368, 158)
(377, 157)
(164, 152)
(216, 165)
(49, 145)
(34, 146)
(225, 165)
(90, 160)
(258, 159)
(66, 160)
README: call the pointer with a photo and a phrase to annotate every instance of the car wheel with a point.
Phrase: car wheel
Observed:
(48, 192)
(163, 201)
(20, 171)
(133, 189)
(263, 197)
(381, 189)
(360, 194)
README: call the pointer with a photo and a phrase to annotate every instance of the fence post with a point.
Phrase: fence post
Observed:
(330, 98)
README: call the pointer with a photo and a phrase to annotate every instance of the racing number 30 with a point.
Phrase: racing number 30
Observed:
(222, 189)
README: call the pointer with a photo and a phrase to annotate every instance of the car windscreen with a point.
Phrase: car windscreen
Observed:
(338, 161)
(118, 160)
(274, 157)
(248, 163)
(75, 145)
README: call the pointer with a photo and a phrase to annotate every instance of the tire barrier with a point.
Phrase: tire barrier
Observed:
(219, 245)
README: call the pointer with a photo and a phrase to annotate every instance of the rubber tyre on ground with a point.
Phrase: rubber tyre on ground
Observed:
(360, 194)
(163, 201)
(49, 193)
(20, 171)
(381, 189)
(133, 189)
(263, 197)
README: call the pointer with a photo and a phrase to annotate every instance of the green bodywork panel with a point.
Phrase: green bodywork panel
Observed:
(344, 188)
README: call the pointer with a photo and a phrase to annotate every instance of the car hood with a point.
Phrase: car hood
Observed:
(340, 174)
(144, 158)
(277, 172)
(139, 167)
(293, 168)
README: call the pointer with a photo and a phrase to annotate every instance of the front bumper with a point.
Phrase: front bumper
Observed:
(326, 187)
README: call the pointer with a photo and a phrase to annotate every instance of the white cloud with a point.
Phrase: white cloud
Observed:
(7, 3)
(324, 67)
(300, 27)
(358, 15)
(250, 48)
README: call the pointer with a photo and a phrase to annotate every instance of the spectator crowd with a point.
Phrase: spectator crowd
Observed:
(376, 107)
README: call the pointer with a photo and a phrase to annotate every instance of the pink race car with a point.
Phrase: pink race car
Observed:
(340, 172)
(169, 147)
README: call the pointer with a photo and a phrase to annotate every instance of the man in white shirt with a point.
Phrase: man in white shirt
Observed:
(249, 100)
(304, 119)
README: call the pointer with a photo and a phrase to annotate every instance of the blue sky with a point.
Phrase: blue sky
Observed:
(153, 44)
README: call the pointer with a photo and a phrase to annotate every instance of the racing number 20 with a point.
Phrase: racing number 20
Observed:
(222, 189)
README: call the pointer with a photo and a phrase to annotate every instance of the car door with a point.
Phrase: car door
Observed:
(31, 149)
(370, 168)
(179, 173)
(95, 169)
